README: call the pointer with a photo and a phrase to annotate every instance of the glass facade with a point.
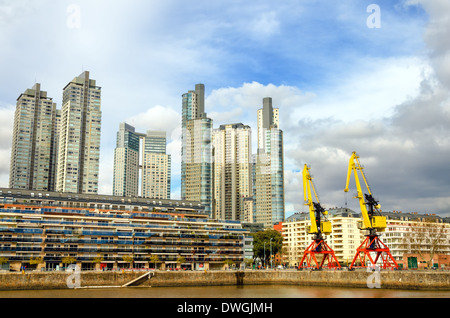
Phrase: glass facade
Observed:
(269, 168)
(196, 150)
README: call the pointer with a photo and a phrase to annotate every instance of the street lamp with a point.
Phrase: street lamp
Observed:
(271, 252)
(264, 255)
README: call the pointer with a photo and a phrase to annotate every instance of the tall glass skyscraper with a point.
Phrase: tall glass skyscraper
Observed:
(196, 149)
(269, 167)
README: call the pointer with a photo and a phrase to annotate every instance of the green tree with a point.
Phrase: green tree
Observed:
(127, 258)
(181, 260)
(154, 259)
(3, 260)
(267, 240)
(97, 259)
(36, 260)
(69, 260)
(229, 263)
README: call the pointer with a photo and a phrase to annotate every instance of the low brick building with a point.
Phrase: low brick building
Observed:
(417, 261)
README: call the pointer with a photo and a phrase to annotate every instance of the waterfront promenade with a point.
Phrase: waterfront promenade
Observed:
(407, 280)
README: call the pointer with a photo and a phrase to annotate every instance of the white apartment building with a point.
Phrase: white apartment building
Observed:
(403, 229)
(126, 162)
(232, 171)
(344, 239)
(406, 232)
(131, 156)
(156, 176)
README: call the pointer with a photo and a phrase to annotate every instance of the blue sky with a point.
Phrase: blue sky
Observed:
(340, 85)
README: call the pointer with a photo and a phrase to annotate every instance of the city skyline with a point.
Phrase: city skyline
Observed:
(342, 84)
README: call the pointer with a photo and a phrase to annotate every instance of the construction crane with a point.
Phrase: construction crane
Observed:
(372, 249)
(318, 254)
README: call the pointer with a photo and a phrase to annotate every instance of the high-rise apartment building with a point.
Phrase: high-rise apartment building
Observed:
(146, 152)
(56, 131)
(33, 154)
(156, 166)
(126, 162)
(269, 167)
(79, 140)
(196, 149)
(232, 171)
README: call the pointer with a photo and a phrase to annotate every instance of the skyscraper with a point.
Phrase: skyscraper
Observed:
(33, 146)
(156, 166)
(269, 167)
(126, 162)
(196, 149)
(232, 171)
(141, 159)
(79, 140)
(268, 117)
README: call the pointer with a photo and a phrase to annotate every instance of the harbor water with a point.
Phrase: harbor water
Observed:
(248, 291)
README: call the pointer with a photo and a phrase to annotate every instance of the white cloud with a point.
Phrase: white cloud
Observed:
(156, 118)
(437, 29)
(250, 95)
(106, 172)
(293, 190)
(265, 25)
(405, 155)
(6, 132)
(240, 104)
(227, 117)
(13, 11)
(371, 91)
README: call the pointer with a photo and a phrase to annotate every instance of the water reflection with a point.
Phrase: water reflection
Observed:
(255, 291)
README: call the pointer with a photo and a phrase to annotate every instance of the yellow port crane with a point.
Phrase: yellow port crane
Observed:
(372, 249)
(318, 254)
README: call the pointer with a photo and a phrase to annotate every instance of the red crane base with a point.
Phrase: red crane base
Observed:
(319, 248)
(373, 244)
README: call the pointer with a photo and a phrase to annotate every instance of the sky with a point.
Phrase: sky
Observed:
(371, 76)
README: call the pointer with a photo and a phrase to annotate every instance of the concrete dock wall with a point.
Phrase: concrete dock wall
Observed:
(425, 280)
